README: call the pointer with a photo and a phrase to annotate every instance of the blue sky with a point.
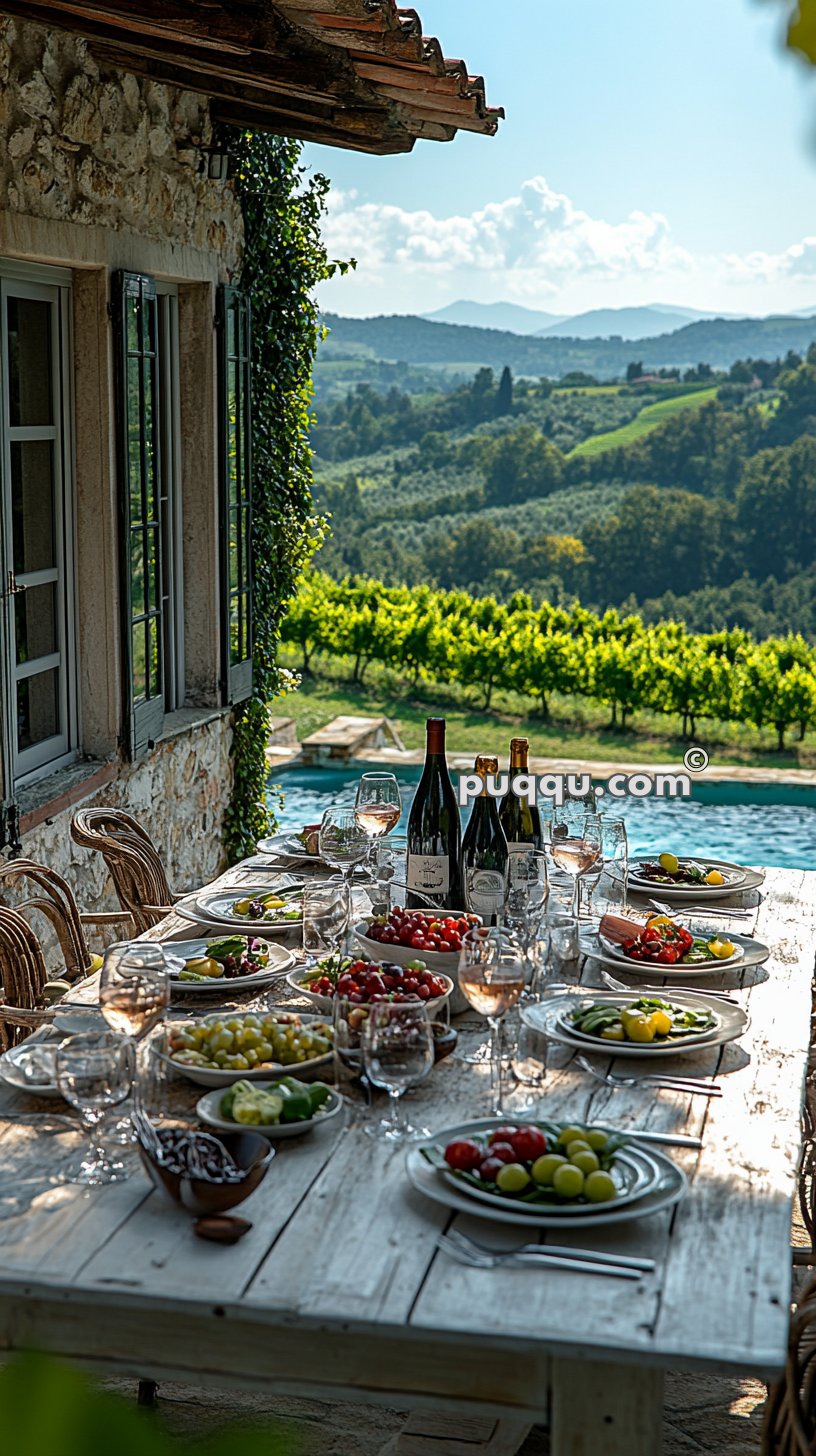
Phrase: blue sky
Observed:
(653, 150)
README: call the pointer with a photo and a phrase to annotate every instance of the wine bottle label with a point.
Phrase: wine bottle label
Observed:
(429, 873)
(485, 891)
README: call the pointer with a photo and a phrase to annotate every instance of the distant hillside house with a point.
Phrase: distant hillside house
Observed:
(125, 349)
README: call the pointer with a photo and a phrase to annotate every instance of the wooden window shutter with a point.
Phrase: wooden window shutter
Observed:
(235, 470)
(135, 321)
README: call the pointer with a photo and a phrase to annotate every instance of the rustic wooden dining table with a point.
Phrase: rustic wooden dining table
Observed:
(340, 1292)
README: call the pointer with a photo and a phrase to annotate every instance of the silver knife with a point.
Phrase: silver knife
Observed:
(669, 1139)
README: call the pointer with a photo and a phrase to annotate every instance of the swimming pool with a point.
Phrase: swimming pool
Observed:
(769, 824)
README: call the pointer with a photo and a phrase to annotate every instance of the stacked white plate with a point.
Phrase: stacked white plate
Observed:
(647, 1182)
(215, 908)
(553, 1017)
(736, 878)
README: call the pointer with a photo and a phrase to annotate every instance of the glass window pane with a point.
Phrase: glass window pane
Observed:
(139, 662)
(152, 573)
(149, 323)
(232, 330)
(29, 346)
(137, 570)
(234, 552)
(154, 658)
(234, 630)
(132, 323)
(32, 505)
(35, 622)
(37, 708)
(149, 433)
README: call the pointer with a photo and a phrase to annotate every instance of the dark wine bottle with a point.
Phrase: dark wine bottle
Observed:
(520, 821)
(435, 832)
(484, 852)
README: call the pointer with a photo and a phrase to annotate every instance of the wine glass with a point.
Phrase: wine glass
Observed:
(343, 845)
(325, 919)
(608, 878)
(526, 899)
(397, 1044)
(575, 847)
(94, 1073)
(134, 995)
(491, 977)
(378, 805)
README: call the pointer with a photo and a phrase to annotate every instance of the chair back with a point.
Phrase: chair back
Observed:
(55, 899)
(22, 974)
(132, 861)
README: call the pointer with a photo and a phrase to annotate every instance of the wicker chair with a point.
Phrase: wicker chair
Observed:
(790, 1415)
(55, 899)
(23, 976)
(132, 860)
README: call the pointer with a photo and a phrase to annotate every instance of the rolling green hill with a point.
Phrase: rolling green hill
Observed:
(643, 424)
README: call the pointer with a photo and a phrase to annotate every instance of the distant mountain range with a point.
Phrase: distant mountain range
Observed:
(640, 322)
(510, 317)
(407, 339)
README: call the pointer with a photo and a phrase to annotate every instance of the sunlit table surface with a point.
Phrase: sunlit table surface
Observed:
(340, 1291)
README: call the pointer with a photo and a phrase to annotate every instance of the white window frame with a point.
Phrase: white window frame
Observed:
(171, 499)
(51, 285)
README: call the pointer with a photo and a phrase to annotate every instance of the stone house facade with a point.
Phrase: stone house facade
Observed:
(104, 178)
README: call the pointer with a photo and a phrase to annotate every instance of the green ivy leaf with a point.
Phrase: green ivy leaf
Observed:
(802, 30)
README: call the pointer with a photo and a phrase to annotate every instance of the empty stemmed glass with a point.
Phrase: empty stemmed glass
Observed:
(378, 806)
(325, 919)
(397, 1046)
(94, 1073)
(133, 996)
(491, 977)
(605, 886)
(526, 901)
(576, 846)
(343, 845)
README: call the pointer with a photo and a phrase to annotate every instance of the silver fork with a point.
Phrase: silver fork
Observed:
(471, 1245)
(677, 910)
(690, 1085)
(665, 990)
(475, 1259)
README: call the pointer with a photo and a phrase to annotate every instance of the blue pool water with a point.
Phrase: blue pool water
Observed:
(769, 824)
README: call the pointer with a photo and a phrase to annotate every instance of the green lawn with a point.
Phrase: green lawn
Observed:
(643, 424)
(578, 729)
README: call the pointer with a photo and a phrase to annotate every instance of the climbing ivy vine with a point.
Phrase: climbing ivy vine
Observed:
(284, 259)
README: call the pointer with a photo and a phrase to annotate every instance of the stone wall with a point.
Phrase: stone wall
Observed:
(179, 794)
(84, 144)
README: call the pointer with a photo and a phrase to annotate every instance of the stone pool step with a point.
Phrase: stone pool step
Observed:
(347, 737)
(282, 745)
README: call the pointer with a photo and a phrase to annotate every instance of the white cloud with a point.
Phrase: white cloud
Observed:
(539, 248)
(534, 240)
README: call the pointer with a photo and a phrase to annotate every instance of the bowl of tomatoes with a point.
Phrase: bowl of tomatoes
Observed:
(364, 982)
(404, 935)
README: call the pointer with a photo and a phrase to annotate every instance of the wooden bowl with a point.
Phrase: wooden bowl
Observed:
(200, 1196)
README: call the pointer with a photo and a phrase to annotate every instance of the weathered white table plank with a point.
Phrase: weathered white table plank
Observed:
(339, 1286)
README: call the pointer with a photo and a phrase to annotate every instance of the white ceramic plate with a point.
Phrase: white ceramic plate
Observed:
(207, 1109)
(734, 875)
(224, 1077)
(40, 1054)
(616, 953)
(287, 846)
(668, 1189)
(552, 1018)
(278, 963)
(326, 1003)
(215, 910)
(752, 953)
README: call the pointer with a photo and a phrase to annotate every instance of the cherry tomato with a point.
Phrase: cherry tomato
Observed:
(502, 1134)
(529, 1143)
(464, 1154)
